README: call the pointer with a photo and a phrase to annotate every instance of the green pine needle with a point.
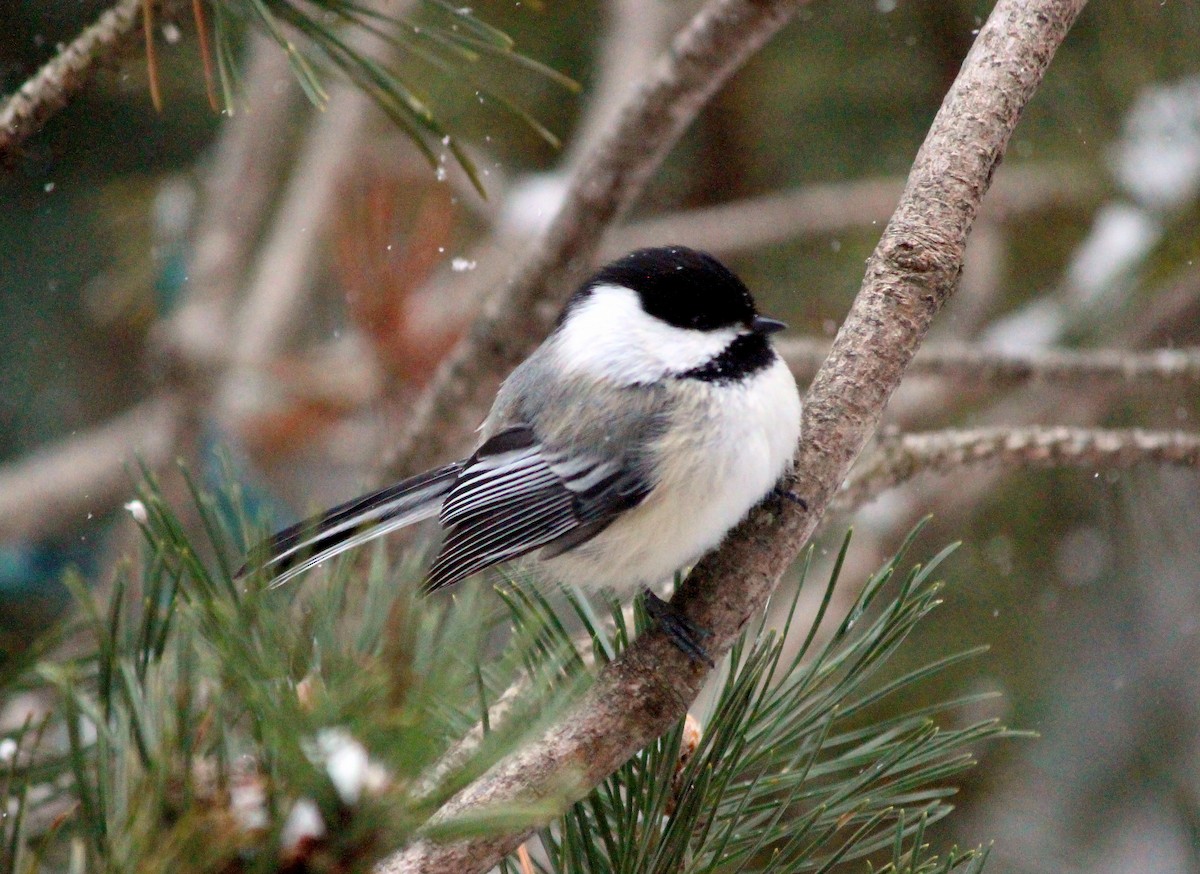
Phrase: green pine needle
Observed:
(191, 690)
(193, 713)
(786, 777)
(451, 42)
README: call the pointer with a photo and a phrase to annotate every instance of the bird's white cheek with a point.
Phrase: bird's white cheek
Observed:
(609, 336)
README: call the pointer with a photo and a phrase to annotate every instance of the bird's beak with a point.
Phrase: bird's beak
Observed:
(763, 325)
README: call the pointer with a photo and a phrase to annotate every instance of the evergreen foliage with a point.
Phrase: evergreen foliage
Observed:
(322, 37)
(791, 774)
(202, 723)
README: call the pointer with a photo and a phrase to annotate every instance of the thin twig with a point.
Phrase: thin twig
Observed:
(913, 272)
(999, 370)
(899, 458)
(703, 56)
(1083, 402)
(24, 112)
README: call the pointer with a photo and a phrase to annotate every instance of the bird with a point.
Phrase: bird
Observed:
(646, 425)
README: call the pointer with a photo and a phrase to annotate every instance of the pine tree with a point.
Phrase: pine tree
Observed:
(216, 724)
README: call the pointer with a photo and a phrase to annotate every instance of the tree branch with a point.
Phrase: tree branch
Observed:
(25, 111)
(913, 271)
(902, 457)
(703, 56)
(840, 206)
(1000, 369)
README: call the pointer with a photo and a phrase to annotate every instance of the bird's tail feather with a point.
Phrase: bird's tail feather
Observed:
(294, 550)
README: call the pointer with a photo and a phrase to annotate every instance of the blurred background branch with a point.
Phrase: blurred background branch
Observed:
(999, 370)
(815, 210)
(49, 492)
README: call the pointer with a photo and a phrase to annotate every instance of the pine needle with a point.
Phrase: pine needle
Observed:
(787, 776)
(193, 716)
(151, 54)
(451, 43)
(206, 58)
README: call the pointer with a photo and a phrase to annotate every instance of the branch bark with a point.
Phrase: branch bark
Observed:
(24, 112)
(913, 271)
(903, 457)
(703, 56)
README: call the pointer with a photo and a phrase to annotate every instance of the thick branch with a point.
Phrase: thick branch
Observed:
(903, 457)
(913, 271)
(24, 112)
(703, 56)
(977, 364)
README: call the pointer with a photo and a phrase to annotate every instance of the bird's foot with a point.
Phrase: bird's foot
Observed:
(682, 632)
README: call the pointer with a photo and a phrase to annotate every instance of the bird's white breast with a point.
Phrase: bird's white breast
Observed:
(733, 442)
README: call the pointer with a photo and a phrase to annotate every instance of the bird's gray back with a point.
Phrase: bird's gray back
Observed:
(580, 414)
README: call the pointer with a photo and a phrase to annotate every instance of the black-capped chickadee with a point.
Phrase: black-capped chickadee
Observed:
(644, 427)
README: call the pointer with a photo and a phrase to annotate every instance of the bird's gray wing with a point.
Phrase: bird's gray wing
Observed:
(305, 544)
(516, 495)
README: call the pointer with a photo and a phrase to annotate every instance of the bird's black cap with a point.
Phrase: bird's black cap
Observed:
(681, 286)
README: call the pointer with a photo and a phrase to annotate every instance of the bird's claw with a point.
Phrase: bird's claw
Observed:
(789, 495)
(682, 631)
